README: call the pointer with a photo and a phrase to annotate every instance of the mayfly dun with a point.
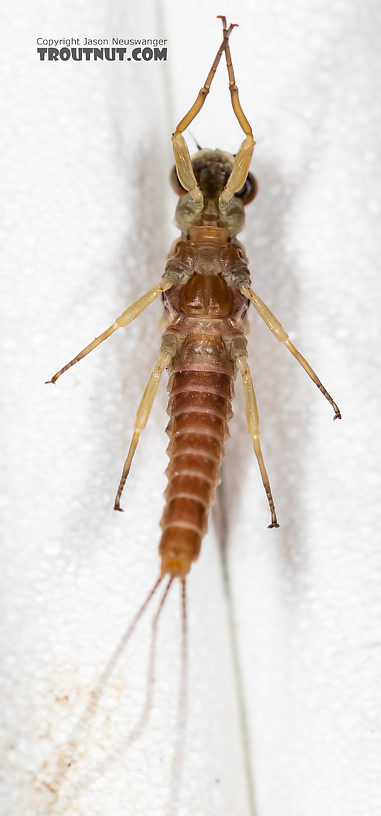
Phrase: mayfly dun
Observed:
(206, 293)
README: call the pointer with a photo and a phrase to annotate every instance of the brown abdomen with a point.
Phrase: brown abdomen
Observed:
(199, 408)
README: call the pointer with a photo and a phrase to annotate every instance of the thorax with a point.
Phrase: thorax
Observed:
(206, 291)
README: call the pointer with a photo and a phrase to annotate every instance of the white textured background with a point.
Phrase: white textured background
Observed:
(86, 223)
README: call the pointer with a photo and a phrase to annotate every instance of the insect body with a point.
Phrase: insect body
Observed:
(206, 293)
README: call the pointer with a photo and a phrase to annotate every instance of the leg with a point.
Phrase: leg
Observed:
(277, 329)
(180, 149)
(142, 415)
(253, 427)
(129, 314)
(242, 160)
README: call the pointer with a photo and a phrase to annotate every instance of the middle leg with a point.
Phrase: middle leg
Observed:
(277, 329)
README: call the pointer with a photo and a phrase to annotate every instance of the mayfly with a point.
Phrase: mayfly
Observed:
(206, 292)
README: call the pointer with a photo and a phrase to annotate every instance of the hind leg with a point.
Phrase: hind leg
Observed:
(252, 417)
(142, 415)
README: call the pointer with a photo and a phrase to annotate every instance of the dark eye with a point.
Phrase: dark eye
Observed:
(249, 189)
(174, 181)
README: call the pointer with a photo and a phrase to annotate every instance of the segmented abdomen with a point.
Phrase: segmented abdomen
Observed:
(199, 408)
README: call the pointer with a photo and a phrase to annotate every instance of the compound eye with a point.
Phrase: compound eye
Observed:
(175, 183)
(249, 189)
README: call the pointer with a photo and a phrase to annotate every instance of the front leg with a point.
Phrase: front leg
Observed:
(243, 158)
(183, 160)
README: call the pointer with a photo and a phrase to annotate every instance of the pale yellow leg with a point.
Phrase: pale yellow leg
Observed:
(253, 427)
(276, 327)
(142, 415)
(242, 159)
(182, 157)
(129, 314)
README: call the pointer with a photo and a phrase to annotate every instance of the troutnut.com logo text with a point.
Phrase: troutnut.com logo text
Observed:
(110, 49)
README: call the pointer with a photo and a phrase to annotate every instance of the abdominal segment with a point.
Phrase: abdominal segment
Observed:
(200, 409)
